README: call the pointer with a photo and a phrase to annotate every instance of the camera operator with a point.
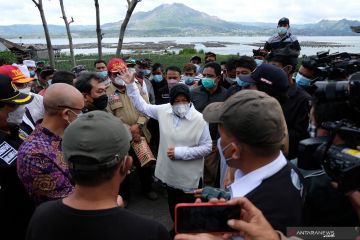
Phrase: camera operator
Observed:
(325, 205)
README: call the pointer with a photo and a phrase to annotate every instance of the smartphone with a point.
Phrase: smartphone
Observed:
(205, 217)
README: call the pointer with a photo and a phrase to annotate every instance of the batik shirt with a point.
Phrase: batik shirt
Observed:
(42, 168)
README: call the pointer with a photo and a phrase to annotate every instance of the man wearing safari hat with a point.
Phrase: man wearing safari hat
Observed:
(120, 106)
(34, 111)
(15, 205)
(92, 211)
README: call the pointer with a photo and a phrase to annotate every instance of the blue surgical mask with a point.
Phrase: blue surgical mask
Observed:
(102, 74)
(303, 81)
(188, 80)
(208, 83)
(158, 78)
(242, 83)
(258, 62)
(230, 80)
(221, 151)
(198, 68)
(147, 72)
(32, 73)
(282, 30)
(49, 82)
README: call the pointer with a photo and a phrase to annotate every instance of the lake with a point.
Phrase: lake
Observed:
(352, 43)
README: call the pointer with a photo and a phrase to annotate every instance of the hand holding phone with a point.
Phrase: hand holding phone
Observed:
(205, 217)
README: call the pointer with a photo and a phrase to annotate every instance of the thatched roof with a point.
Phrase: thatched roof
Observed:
(12, 46)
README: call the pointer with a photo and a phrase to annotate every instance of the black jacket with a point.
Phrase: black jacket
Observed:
(296, 111)
(281, 198)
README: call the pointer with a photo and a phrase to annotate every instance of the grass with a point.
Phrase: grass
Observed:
(64, 62)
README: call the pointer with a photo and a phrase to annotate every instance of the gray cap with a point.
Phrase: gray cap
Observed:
(99, 136)
(251, 116)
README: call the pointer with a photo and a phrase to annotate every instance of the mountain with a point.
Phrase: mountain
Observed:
(180, 20)
(176, 18)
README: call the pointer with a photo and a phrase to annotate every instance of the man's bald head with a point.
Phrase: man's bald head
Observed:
(61, 94)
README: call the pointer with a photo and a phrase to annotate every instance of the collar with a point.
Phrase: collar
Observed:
(48, 133)
(188, 115)
(243, 184)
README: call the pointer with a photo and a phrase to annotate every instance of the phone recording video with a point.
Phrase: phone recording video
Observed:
(205, 217)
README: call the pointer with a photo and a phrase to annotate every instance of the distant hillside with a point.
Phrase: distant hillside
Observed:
(180, 20)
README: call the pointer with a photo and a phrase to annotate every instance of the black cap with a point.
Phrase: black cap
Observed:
(284, 20)
(179, 89)
(10, 94)
(268, 74)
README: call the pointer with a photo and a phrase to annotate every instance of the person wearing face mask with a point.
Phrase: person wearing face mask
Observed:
(34, 111)
(142, 75)
(243, 65)
(307, 75)
(41, 166)
(184, 141)
(15, 205)
(282, 38)
(44, 81)
(93, 90)
(157, 78)
(252, 133)
(189, 77)
(210, 92)
(30, 64)
(298, 104)
(173, 77)
(120, 105)
(102, 72)
(196, 60)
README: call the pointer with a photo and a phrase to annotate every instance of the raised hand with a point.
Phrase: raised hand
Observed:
(127, 76)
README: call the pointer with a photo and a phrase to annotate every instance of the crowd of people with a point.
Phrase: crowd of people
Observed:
(69, 140)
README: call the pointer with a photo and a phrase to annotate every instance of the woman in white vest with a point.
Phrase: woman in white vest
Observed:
(184, 140)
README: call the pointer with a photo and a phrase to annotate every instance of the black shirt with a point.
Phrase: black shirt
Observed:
(296, 111)
(280, 198)
(162, 96)
(54, 220)
(16, 207)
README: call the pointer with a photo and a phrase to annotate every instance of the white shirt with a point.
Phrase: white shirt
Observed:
(243, 184)
(181, 153)
(36, 109)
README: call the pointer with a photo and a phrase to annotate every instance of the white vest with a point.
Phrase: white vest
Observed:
(180, 174)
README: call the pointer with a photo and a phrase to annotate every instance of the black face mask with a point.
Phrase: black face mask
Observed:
(101, 102)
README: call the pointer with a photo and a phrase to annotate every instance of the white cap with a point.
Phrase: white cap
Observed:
(29, 63)
(23, 69)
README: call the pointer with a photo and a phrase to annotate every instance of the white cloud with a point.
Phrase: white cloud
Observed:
(83, 11)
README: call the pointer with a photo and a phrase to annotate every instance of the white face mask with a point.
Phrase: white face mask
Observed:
(16, 116)
(181, 110)
(119, 81)
(25, 90)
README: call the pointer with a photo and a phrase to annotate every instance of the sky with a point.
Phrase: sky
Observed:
(83, 11)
